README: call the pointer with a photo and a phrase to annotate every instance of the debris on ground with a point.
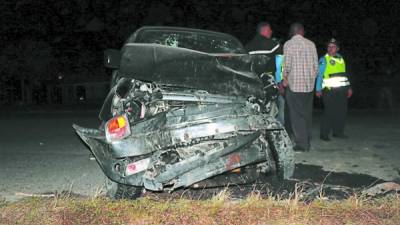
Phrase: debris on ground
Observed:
(382, 189)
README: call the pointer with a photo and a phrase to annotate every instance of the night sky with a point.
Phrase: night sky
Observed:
(46, 42)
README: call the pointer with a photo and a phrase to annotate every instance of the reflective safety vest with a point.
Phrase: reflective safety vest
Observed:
(335, 73)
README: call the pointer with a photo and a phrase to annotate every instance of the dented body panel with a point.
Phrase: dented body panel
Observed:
(194, 117)
(220, 74)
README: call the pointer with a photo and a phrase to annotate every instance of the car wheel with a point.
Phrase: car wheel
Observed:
(121, 191)
(282, 150)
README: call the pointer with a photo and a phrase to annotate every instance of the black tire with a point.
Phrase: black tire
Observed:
(117, 191)
(282, 150)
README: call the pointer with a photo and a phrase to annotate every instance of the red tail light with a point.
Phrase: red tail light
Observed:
(117, 128)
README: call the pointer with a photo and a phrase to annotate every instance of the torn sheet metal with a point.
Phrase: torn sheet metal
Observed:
(195, 110)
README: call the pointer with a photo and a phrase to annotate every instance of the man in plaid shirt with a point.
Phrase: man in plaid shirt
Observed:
(299, 72)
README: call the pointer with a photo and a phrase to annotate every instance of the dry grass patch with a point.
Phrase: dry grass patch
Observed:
(218, 210)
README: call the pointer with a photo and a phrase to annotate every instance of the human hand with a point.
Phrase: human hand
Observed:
(281, 89)
(318, 94)
(285, 83)
(349, 93)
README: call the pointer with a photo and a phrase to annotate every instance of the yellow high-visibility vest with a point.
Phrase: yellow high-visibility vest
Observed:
(335, 72)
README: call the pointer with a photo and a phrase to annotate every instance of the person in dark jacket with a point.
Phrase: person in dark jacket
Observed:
(264, 44)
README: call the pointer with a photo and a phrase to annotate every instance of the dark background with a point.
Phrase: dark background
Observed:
(52, 51)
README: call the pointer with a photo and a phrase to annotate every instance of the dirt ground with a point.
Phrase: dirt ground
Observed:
(373, 146)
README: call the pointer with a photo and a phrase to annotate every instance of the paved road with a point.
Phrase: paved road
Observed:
(373, 147)
(40, 153)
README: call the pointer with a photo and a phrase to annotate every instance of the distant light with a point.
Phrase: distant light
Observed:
(60, 77)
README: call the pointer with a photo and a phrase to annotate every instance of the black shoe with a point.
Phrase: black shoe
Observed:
(298, 148)
(342, 136)
(324, 138)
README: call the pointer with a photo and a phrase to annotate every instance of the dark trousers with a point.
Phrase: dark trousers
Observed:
(288, 125)
(300, 113)
(335, 110)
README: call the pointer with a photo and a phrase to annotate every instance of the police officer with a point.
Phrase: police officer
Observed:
(333, 86)
(264, 44)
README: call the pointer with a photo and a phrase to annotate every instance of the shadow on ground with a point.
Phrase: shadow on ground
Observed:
(308, 182)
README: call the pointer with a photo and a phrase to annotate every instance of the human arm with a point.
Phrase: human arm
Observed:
(349, 90)
(278, 73)
(320, 76)
(286, 65)
(278, 66)
(315, 61)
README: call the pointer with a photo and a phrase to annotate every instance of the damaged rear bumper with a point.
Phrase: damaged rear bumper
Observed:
(211, 140)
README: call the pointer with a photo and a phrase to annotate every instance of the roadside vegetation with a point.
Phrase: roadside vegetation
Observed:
(220, 209)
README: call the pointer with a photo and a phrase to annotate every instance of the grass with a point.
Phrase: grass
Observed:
(220, 209)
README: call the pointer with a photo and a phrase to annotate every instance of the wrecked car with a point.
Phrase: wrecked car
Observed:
(186, 110)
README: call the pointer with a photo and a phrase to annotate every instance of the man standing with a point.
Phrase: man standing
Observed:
(334, 87)
(299, 73)
(264, 44)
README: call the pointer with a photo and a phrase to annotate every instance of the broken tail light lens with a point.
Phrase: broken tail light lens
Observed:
(117, 128)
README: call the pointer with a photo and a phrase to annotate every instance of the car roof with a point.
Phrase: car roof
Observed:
(132, 38)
